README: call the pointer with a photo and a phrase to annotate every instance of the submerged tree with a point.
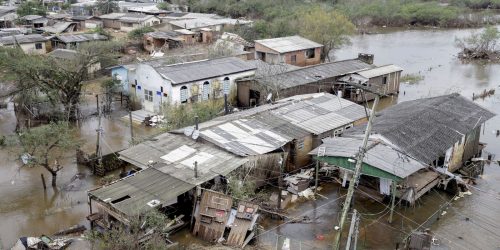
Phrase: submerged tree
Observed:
(327, 27)
(481, 45)
(60, 81)
(47, 144)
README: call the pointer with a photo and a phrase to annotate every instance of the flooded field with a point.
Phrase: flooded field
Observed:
(471, 222)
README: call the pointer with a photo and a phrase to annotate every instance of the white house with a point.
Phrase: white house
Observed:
(155, 83)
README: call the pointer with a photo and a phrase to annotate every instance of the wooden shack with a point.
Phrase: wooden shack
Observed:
(211, 215)
(244, 221)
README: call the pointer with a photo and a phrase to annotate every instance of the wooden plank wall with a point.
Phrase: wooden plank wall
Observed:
(213, 213)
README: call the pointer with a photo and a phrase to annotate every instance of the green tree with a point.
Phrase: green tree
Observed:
(328, 27)
(47, 145)
(139, 32)
(479, 45)
(61, 81)
(31, 8)
(106, 6)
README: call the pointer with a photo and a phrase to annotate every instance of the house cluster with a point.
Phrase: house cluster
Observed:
(294, 111)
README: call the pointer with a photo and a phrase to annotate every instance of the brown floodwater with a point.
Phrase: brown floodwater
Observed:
(25, 208)
(471, 222)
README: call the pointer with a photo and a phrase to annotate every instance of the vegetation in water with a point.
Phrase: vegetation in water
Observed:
(480, 45)
(412, 78)
(46, 145)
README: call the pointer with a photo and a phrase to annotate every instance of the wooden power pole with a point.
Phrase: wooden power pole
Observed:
(357, 173)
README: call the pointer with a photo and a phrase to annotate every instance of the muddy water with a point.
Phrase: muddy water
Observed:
(25, 208)
(472, 222)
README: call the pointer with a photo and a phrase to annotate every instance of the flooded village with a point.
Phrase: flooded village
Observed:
(180, 125)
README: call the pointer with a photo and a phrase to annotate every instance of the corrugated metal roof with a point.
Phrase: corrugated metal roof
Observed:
(135, 18)
(206, 69)
(58, 27)
(9, 40)
(71, 38)
(175, 155)
(189, 22)
(379, 71)
(255, 132)
(142, 187)
(380, 156)
(112, 16)
(288, 44)
(426, 128)
(314, 73)
(321, 112)
(67, 54)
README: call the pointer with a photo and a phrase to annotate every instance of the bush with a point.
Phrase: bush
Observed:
(179, 116)
(139, 32)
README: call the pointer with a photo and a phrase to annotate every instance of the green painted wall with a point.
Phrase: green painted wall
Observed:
(365, 168)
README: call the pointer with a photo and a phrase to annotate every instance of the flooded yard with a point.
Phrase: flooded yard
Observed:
(26, 209)
(471, 222)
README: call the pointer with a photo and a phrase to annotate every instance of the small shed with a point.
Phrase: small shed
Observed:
(294, 50)
(242, 220)
(212, 215)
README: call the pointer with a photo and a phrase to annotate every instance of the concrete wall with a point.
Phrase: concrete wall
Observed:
(111, 23)
(301, 59)
(121, 74)
(31, 48)
(301, 149)
(148, 79)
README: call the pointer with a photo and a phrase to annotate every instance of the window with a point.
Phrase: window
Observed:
(38, 46)
(206, 91)
(148, 95)
(384, 80)
(300, 145)
(293, 58)
(337, 132)
(184, 94)
(225, 85)
(310, 53)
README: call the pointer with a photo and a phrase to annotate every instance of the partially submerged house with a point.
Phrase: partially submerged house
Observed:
(384, 79)
(172, 165)
(285, 83)
(156, 83)
(34, 43)
(416, 144)
(293, 126)
(73, 41)
(294, 50)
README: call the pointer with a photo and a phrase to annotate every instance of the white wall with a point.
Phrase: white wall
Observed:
(30, 48)
(148, 23)
(175, 97)
(148, 78)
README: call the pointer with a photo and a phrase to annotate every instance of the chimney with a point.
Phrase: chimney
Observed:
(367, 58)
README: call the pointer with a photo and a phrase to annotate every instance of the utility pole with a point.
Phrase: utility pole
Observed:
(131, 126)
(356, 233)
(98, 151)
(321, 153)
(357, 172)
(280, 179)
(351, 229)
(393, 199)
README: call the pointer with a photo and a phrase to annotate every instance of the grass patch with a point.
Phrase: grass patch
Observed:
(412, 78)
